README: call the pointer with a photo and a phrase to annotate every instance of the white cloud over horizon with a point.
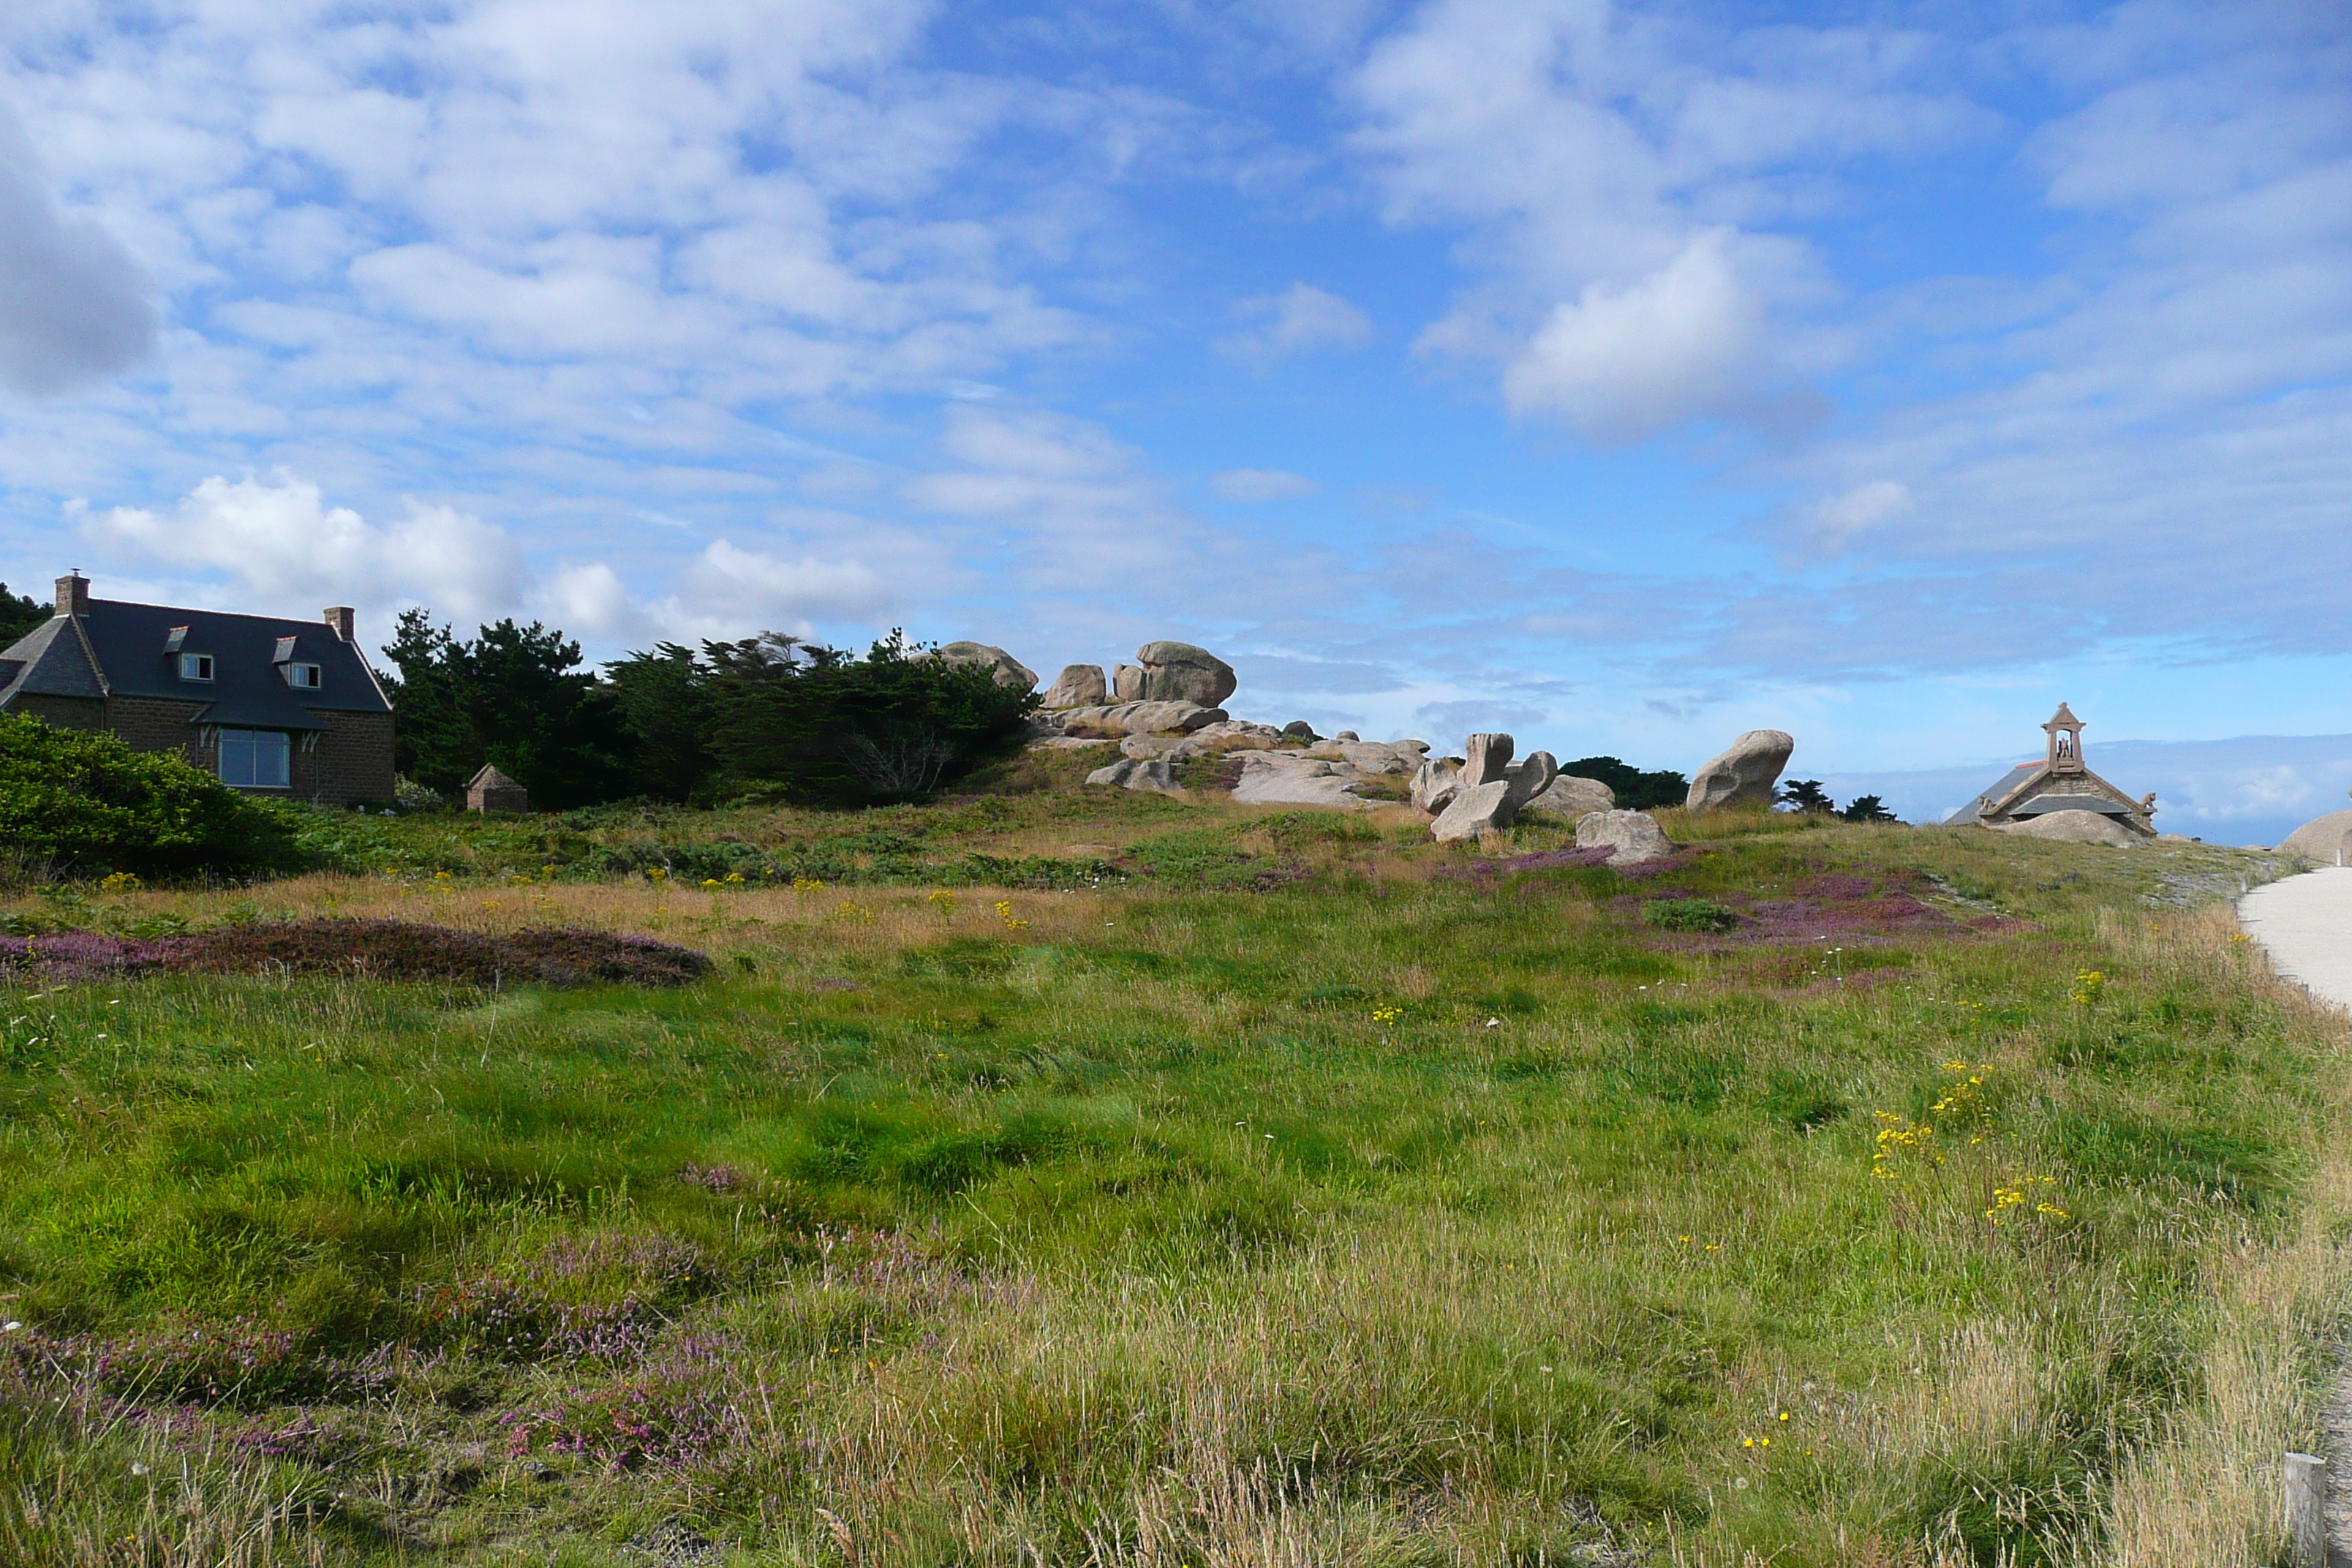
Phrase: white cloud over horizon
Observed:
(1721, 356)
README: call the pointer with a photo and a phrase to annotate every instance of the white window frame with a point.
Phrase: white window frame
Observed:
(195, 666)
(296, 670)
(253, 748)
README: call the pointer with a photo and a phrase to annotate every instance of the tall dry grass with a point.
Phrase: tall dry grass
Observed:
(2210, 1491)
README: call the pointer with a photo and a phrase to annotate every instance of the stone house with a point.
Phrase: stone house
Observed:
(2061, 780)
(273, 707)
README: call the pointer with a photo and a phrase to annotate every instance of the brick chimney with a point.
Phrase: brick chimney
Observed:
(73, 595)
(346, 622)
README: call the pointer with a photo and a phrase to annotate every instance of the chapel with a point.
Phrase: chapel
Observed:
(2061, 780)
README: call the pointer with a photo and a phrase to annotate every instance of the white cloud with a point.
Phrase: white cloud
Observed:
(1299, 320)
(284, 547)
(1862, 508)
(731, 591)
(73, 305)
(1611, 170)
(1624, 363)
(1261, 484)
(589, 600)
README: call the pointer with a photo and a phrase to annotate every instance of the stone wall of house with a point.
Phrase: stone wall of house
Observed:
(63, 712)
(352, 761)
(160, 724)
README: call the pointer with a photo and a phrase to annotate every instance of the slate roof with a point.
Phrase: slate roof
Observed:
(128, 650)
(2011, 781)
(53, 659)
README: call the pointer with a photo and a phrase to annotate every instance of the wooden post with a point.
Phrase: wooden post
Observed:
(2306, 1509)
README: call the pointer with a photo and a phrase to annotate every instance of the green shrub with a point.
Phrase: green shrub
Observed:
(1687, 914)
(87, 804)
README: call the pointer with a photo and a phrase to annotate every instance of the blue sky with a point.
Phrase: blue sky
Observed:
(1621, 375)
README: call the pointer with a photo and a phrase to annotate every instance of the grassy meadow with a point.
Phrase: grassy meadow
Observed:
(1073, 1177)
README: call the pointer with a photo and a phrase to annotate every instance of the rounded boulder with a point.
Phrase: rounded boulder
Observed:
(1180, 672)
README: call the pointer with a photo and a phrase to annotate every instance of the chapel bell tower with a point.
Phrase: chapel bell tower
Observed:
(2065, 733)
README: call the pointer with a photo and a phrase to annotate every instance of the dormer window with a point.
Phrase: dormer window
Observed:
(303, 677)
(195, 666)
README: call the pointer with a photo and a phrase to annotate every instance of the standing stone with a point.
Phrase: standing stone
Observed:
(1633, 836)
(1008, 670)
(1127, 684)
(1529, 778)
(1180, 672)
(1078, 686)
(1487, 756)
(1743, 774)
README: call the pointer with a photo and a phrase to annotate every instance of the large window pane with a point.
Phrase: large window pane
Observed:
(255, 758)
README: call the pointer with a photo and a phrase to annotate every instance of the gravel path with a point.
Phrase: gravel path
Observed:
(2304, 925)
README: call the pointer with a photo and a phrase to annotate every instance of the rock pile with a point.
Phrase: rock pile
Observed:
(1487, 791)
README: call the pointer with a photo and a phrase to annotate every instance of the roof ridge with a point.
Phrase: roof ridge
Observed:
(324, 625)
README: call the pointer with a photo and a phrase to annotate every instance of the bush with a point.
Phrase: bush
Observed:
(1635, 789)
(1687, 914)
(88, 803)
(818, 725)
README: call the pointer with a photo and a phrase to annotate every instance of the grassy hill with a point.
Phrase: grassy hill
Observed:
(1070, 1177)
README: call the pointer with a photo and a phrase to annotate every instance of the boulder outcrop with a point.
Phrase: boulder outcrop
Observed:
(1078, 686)
(1154, 773)
(2070, 827)
(1293, 778)
(1631, 836)
(1167, 671)
(1489, 791)
(1743, 774)
(2326, 839)
(1570, 797)
(1008, 670)
(1140, 719)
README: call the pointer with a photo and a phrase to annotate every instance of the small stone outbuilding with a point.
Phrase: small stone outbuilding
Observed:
(491, 790)
(2060, 782)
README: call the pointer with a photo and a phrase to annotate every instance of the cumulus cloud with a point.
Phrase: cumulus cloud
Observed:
(729, 592)
(74, 307)
(1299, 320)
(1623, 363)
(1613, 174)
(1261, 484)
(282, 545)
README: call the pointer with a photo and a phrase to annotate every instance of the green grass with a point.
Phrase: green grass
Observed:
(1298, 1194)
